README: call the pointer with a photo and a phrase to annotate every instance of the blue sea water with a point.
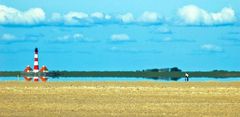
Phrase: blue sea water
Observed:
(130, 79)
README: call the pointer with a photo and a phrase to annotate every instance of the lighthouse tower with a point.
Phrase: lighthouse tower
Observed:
(35, 72)
(36, 68)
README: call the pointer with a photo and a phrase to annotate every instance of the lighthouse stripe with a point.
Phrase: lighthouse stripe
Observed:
(35, 71)
(35, 59)
(35, 79)
(35, 63)
(35, 55)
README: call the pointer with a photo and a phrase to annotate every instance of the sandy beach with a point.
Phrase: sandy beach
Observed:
(119, 99)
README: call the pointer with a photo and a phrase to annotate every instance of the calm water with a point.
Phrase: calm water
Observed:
(70, 79)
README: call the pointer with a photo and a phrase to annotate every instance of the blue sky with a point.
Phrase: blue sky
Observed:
(120, 34)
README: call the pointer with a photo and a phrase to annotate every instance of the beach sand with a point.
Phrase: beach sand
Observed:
(95, 99)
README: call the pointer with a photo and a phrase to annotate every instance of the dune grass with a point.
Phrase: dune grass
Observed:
(119, 99)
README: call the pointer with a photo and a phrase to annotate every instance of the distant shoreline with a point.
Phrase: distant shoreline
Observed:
(147, 74)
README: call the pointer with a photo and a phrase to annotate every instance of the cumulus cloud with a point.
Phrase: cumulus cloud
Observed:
(72, 18)
(13, 16)
(120, 38)
(79, 18)
(149, 17)
(145, 18)
(193, 15)
(77, 37)
(99, 17)
(189, 15)
(126, 18)
(211, 48)
(36, 16)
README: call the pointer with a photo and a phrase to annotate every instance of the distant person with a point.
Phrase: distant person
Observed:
(186, 77)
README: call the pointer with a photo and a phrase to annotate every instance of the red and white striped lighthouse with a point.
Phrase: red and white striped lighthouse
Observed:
(36, 68)
(36, 73)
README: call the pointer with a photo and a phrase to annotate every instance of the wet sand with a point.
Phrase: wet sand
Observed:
(92, 99)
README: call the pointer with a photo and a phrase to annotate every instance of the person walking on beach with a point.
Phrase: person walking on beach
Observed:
(186, 77)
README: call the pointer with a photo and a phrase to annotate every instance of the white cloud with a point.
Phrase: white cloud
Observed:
(13, 16)
(149, 17)
(108, 17)
(80, 18)
(193, 15)
(146, 17)
(73, 37)
(126, 18)
(7, 37)
(190, 15)
(120, 37)
(73, 18)
(211, 48)
(98, 15)
(36, 16)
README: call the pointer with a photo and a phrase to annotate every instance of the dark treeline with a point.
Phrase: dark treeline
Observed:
(126, 74)
(10, 73)
(114, 74)
(218, 74)
(147, 74)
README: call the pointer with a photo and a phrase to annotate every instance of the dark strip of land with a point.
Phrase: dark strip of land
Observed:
(147, 74)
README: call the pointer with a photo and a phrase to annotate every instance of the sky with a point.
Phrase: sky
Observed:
(120, 35)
